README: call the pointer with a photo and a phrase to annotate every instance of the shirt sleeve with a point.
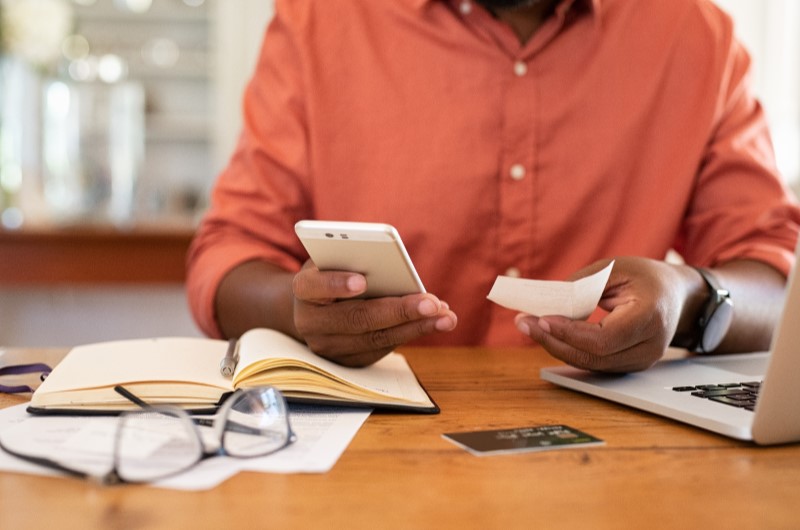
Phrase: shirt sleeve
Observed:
(263, 190)
(741, 207)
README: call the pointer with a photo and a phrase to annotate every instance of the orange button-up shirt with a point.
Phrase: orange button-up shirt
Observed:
(620, 128)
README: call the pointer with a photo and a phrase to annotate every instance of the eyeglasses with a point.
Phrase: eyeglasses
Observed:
(160, 441)
(22, 369)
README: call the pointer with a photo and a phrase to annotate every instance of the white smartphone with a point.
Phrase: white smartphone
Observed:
(372, 249)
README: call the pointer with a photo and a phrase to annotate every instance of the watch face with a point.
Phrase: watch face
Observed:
(717, 326)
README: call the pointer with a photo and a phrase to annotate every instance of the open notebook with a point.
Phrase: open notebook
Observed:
(703, 391)
(185, 371)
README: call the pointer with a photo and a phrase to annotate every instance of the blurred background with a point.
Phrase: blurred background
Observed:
(117, 115)
(119, 110)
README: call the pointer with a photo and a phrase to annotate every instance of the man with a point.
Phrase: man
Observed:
(529, 138)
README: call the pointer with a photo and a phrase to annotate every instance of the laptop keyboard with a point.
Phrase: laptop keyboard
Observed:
(742, 395)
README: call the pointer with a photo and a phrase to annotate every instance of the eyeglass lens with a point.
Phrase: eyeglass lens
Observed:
(256, 424)
(155, 443)
(152, 445)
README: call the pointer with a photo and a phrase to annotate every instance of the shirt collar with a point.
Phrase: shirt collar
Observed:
(593, 5)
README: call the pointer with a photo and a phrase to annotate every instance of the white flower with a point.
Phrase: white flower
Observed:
(34, 29)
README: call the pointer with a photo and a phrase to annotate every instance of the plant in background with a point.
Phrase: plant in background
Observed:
(33, 30)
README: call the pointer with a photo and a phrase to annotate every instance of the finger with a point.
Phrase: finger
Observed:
(355, 317)
(366, 348)
(623, 328)
(313, 285)
(354, 360)
(597, 266)
(539, 331)
(639, 356)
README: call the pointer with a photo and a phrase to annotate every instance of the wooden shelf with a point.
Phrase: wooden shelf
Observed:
(93, 255)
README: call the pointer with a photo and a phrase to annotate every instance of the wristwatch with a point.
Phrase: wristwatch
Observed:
(715, 318)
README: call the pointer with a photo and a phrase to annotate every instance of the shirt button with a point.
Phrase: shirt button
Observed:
(513, 272)
(520, 68)
(517, 172)
(465, 7)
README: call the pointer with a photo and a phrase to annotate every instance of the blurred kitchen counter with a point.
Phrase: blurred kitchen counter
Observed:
(151, 252)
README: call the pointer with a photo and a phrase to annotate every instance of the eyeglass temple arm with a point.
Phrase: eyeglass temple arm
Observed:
(19, 369)
(46, 462)
(133, 398)
(230, 425)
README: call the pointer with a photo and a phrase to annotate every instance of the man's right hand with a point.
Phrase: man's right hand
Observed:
(357, 332)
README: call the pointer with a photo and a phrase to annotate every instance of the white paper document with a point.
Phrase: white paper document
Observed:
(576, 299)
(85, 443)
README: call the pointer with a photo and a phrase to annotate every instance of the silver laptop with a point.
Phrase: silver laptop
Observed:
(700, 390)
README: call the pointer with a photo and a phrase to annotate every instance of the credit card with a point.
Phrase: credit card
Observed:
(521, 439)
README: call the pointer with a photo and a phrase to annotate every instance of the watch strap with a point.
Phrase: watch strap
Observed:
(717, 297)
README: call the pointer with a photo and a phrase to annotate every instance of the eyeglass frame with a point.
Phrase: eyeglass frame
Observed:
(21, 369)
(216, 422)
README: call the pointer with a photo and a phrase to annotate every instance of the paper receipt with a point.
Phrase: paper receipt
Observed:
(576, 299)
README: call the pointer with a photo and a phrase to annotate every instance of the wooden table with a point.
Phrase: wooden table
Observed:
(399, 473)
